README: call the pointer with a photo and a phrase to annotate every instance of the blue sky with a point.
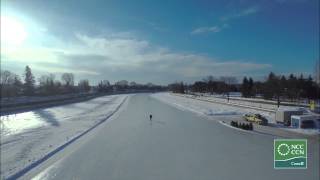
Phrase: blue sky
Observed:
(160, 41)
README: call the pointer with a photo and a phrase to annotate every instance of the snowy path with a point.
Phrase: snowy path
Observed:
(29, 136)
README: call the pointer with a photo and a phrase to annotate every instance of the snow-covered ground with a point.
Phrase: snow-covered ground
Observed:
(185, 102)
(236, 96)
(29, 136)
(256, 102)
(207, 108)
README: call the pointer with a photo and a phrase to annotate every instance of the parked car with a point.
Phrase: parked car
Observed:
(256, 118)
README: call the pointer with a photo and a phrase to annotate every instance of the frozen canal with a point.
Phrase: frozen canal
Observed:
(174, 145)
(29, 136)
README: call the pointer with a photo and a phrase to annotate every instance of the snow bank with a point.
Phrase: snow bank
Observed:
(206, 108)
(28, 137)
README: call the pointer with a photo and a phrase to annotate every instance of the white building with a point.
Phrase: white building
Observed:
(305, 121)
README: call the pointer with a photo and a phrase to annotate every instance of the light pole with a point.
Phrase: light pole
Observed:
(228, 96)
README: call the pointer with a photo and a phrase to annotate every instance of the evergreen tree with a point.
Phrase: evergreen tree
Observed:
(17, 84)
(245, 88)
(292, 87)
(250, 88)
(28, 86)
(271, 86)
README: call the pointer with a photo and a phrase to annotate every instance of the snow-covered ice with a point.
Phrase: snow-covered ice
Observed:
(28, 136)
(16, 123)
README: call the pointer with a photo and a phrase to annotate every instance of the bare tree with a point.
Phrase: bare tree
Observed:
(84, 86)
(43, 80)
(209, 79)
(67, 79)
(149, 84)
(104, 86)
(105, 83)
(229, 79)
(122, 83)
(7, 77)
(46, 79)
(132, 84)
(47, 84)
(10, 84)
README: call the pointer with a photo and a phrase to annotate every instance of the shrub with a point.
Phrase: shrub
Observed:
(245, 126)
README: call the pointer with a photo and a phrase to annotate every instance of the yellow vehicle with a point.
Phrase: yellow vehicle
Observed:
(256, 118)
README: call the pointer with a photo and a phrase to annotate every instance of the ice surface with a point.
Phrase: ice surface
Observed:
(28, 136)
(16, 123)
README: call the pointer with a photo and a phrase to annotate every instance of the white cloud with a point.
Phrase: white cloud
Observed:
(123, 57)
(245, 12)
(213, 29)
(157, 27)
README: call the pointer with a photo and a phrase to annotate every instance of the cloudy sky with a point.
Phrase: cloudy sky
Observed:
(159, 41)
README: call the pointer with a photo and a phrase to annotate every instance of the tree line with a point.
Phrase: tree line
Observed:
(210, 84)
(105, 86)
(11, 85)
(280, 86)
(274, 87)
